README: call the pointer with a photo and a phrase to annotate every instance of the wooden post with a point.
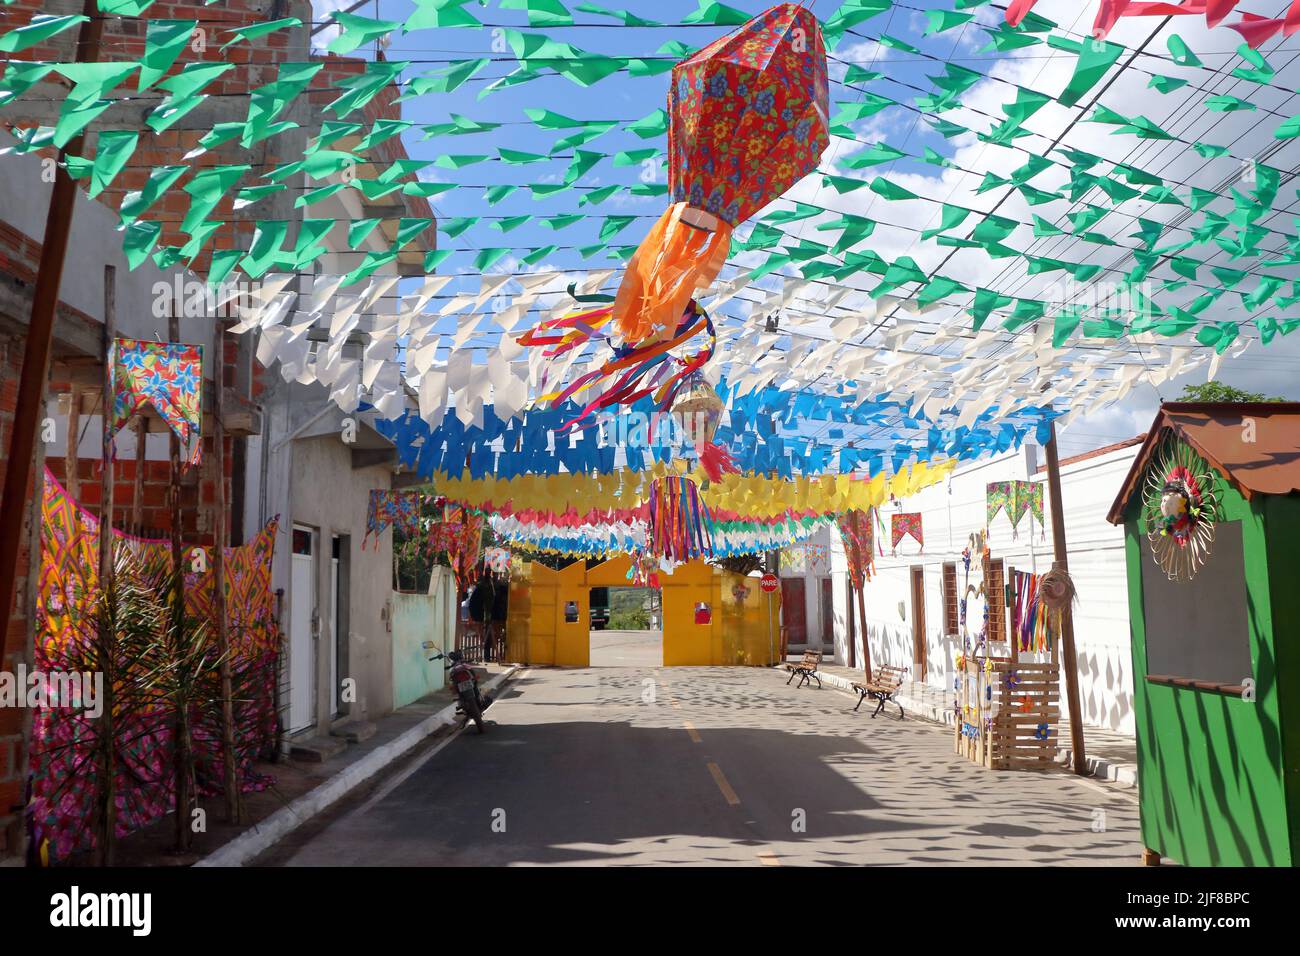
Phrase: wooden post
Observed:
(861, 589)
(137, 498)
(36, 357)
(106, 789)
(1069, 659)
(219, 526)
(181, 778)
(71, 459)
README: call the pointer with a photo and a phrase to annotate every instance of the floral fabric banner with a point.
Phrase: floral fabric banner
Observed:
(1016, 498)
(401, 509)
(902, 524)
(817, 556)
(165, 375)
(497, 560)
(63, 739)
(794, 559)
(858, 532)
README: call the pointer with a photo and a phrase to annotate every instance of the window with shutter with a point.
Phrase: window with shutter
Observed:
(996, 597)
(950, 622)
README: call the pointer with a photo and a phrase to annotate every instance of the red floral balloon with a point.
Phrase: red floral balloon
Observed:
(748, 114)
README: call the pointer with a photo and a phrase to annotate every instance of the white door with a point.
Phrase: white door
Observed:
(302, 631)
(334, 630)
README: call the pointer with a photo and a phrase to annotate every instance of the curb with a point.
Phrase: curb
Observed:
(262, 836)
(1123, 774)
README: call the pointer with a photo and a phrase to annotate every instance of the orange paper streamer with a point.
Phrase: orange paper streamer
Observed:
(672, 262)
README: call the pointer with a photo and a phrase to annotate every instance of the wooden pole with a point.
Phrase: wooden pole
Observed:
(106, 790)
(137, 497)
(36, 357)
(71, 458)
(861, 588)
(181, 778)
(1069, 659)
(219, 526)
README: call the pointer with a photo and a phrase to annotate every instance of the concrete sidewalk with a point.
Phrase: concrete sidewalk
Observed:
(1109, 755)
(396, 734)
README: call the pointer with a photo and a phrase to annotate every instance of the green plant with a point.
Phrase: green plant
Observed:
(1218, 392)
(175, 662)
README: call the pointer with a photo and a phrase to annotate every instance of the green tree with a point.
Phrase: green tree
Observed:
(1218, 392)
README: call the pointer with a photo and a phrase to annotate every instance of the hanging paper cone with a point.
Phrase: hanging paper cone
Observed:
(680, 527)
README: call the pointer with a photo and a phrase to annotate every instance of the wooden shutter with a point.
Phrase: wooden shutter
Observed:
(995, 595)
(950, 622)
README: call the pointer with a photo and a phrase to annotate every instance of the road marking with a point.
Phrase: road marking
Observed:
(690, 729)
(728, 794)
(768, 858)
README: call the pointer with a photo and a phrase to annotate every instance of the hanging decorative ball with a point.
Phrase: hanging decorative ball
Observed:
(698, 412)
(1179, 510)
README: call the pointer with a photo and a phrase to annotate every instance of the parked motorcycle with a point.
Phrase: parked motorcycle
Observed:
(470, 699)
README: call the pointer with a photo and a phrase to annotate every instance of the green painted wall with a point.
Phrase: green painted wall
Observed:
(418, 618)
(1213, 789)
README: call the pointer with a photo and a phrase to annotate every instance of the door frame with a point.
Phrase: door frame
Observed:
(310, 606)
(919, 650)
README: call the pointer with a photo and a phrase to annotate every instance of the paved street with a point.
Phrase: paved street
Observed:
(709, 766)
(627, 648)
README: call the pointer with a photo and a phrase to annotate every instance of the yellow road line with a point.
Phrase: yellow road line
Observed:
(690, 729)
(768, 858)
(728, 794)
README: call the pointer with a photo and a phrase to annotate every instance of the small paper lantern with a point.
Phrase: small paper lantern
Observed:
(698, 413)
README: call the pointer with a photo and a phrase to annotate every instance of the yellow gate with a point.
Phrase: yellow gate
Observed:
(710, 616)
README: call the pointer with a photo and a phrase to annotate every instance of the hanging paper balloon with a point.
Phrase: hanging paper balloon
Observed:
(681, 527)
(747, 120)
(698, 413)
(1179, 511)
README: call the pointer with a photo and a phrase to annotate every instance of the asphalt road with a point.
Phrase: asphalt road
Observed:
(627, 648)
(646, 766)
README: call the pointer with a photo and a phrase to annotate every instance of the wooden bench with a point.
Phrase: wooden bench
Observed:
(882, 687)
(805, 669)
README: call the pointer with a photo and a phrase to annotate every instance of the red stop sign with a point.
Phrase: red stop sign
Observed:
(769, 583)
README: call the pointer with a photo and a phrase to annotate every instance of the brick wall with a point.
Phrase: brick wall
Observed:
(14, 721)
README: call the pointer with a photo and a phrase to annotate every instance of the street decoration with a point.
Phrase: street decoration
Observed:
(858, 533)
(1017, 498)
(387, 506)
(497, 560)
(680, 527)
(63, 738)
(1179, 510)
(166, 377)
(903, 524)
(747, 120)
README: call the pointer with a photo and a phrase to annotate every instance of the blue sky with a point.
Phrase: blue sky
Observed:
(625, 98)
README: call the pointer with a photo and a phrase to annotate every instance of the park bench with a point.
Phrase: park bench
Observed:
(882, 687)
(805, 669)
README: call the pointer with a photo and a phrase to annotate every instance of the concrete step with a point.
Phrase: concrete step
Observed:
(316, 749)
(355, 731)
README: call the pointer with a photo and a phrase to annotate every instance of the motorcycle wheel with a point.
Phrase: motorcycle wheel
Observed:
(472, 711)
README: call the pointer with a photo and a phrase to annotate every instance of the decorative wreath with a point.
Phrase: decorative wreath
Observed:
(1179, 510)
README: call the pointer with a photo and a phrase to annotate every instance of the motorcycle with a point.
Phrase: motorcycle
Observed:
(470, 699)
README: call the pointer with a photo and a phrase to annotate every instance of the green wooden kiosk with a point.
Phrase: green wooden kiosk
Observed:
(1211, 509)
